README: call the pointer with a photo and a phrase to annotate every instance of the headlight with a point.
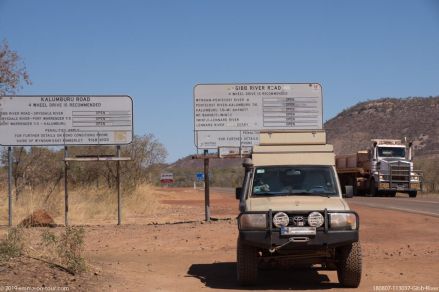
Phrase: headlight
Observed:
(253, 221)
(315, 219)
(414, 176)
(343, 221)
(281, 219)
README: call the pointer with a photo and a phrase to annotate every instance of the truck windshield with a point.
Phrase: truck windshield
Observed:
(297, 180)
(391, 152)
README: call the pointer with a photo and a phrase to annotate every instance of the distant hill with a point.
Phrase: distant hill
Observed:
(416, 118)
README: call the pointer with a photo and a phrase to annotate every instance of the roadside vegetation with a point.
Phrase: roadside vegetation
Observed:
(65, 249)
(87, 205)
(429, 165)
(61, 248)
(38, 181)
(11, 245)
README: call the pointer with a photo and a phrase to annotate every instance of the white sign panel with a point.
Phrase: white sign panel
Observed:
(215, 139)
(231, 115)
(66, 120)
(167, 178)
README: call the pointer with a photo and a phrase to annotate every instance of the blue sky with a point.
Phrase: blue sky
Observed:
(156, 51)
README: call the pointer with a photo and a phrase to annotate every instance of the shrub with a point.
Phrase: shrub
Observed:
(70, 247)
(65, 249)
(12, 245)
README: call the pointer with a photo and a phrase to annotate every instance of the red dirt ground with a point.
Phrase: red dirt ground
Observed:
(398, 250)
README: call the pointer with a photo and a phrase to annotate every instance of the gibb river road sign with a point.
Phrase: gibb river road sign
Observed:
(65, 120)
(231, 115)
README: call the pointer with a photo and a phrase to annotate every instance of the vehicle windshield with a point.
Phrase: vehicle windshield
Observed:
(391, 152)
(297, 180)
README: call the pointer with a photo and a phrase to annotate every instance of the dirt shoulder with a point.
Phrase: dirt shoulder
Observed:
(194, 256)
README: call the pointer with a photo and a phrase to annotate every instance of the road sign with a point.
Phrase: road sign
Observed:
(231, 115)
(167, 178)
(66, 120)
(199, 176)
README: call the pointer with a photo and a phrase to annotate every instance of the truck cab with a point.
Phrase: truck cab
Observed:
(392, 168)
(384, 169)
(292, 211)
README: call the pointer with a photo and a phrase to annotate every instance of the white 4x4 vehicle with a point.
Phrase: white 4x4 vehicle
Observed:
(292, 210)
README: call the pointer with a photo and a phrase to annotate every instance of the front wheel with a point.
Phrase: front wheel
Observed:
(413, 194)
(349, 265)
(392, 194)
(247, 264)
(373, 190)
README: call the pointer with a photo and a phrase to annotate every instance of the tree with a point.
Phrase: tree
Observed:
(35, 167)
(145, 151)
(12, 70)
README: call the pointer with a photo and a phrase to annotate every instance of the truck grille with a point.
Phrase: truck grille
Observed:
(399, 172)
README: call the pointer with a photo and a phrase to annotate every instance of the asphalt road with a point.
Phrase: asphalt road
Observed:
(425, 206)
(421, 205)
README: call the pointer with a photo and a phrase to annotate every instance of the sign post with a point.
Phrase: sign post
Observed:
(119, 215)
(229, 117)
(9, 186)
(63, 120)
(66, 189)
(206, 187)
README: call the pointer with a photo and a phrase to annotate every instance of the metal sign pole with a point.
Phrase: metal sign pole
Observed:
(66, 193)
(9, 186)
(206, 187)
(119, 219)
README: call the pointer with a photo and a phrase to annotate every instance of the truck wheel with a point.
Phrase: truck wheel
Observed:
(373, 190)
(413, 194)
(355, 191)
(354, 188)
(349, 265)
(391, 194)
(247, 264)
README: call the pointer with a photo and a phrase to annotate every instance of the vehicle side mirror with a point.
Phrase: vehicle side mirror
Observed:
(349, 193)
(238, 192)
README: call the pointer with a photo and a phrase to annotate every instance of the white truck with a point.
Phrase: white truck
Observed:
(292, 211)
(386, 168)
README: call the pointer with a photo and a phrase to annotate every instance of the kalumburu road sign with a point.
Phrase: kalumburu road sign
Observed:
(65, 120)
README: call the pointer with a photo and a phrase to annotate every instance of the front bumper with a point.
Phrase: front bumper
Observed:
(402, 187)
(264, 240)
(270, 237)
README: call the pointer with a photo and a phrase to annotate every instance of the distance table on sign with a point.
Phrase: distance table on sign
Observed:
(283, 112)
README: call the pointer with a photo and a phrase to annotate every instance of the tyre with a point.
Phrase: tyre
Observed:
(247, 264)
(373, 190)
(349, 265)
(354, 187)
(390, 194)
(354, 190)
(413, 194)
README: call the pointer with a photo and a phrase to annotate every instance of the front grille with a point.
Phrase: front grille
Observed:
(295, 217)
(399, 172)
